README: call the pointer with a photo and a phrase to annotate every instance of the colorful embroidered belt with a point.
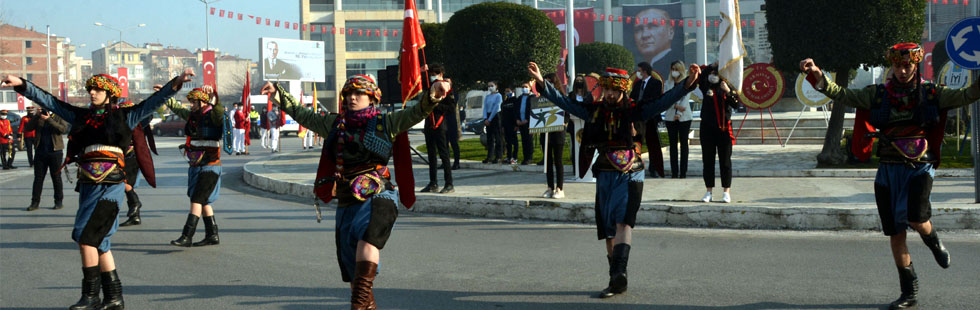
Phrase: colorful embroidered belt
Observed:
(206, 143)
(904, 149)
(368, 182)
(102, 148)
(101, 164)
(621, 160)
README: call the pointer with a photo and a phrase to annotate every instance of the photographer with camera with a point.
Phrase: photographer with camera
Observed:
(49, 153)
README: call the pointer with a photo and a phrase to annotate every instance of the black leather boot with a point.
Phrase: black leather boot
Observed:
(910, 287)
(938, 249)
(189, 228)
(112, 292)
(621, 256)
(211, 230)
(90, 290)
(133, 200)
(607, 292)
(448, 189)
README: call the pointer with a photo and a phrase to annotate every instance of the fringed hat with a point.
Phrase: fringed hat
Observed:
(199, 94)
(617, 79)
(905, 53)
(104, 82)
(363, 83)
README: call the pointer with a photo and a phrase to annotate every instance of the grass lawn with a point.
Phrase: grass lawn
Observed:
(950, 156)
(471, 149)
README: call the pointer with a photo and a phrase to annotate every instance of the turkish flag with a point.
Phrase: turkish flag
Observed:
(209, 68)
(410, 74)
(123, 76)
(246, 92)
(20, 102)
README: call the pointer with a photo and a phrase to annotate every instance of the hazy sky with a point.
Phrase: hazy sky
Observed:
(170, 22)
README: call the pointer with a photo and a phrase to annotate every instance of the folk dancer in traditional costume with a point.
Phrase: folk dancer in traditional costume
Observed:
(100, 133)
(138, 159)
(611, 128)
(354, 166)
(206, 129)
(909, 114)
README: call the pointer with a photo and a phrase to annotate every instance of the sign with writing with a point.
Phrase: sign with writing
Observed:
(954, 76)
(545, 116)
(807, 95)
(762, 87)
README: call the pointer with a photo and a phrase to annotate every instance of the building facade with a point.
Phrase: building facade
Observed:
(25, 52)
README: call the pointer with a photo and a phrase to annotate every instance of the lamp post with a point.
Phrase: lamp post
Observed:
(118, 47)
(207, 30)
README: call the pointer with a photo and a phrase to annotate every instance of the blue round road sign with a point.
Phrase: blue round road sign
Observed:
(963, 43)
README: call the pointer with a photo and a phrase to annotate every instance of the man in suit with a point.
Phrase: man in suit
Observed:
(524, 122)
(654, 41)
(275, 68)
(645, 90)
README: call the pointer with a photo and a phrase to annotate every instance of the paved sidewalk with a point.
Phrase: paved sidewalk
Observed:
(831, 202)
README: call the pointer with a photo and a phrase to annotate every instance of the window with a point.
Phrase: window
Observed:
(30, 60)
(330, 79)
(321, 5)
(10, 97)
(375, 5)
(374, 42)
(114, 58)
(368, 66)
(30, 76)
(327, 38)
(27, 44)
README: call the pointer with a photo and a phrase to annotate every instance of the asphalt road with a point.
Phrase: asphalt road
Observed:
(274, 255)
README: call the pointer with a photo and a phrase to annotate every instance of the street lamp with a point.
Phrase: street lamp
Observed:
(120, 37)
(207, 30)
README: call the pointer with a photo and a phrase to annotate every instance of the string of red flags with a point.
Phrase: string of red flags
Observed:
(324, 29)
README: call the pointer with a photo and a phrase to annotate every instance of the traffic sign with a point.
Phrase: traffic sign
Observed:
(963, 43)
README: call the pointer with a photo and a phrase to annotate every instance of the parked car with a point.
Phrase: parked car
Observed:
(171, 125)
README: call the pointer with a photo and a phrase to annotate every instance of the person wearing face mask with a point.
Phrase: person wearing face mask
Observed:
(354, 165)
(909, 115)
(205, 131)
(437, 127)
(678, 123)
(526, 100)
(491, 123)
(508, 120)
(716, 133)
(555, 141)
(99, 133)
(648, 89)
(609, 127)
(6, 142)
(454, 130)
(26, 133)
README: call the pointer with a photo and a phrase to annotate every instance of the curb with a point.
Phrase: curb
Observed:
(715, 215)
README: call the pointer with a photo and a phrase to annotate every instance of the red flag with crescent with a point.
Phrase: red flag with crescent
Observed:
(246, 93)
(209, 68)
(123, 76)
(410, 74)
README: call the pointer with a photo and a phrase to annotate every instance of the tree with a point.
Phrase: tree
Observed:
(434, 35)
(596, 57)
(839, 35)
(495, 40)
